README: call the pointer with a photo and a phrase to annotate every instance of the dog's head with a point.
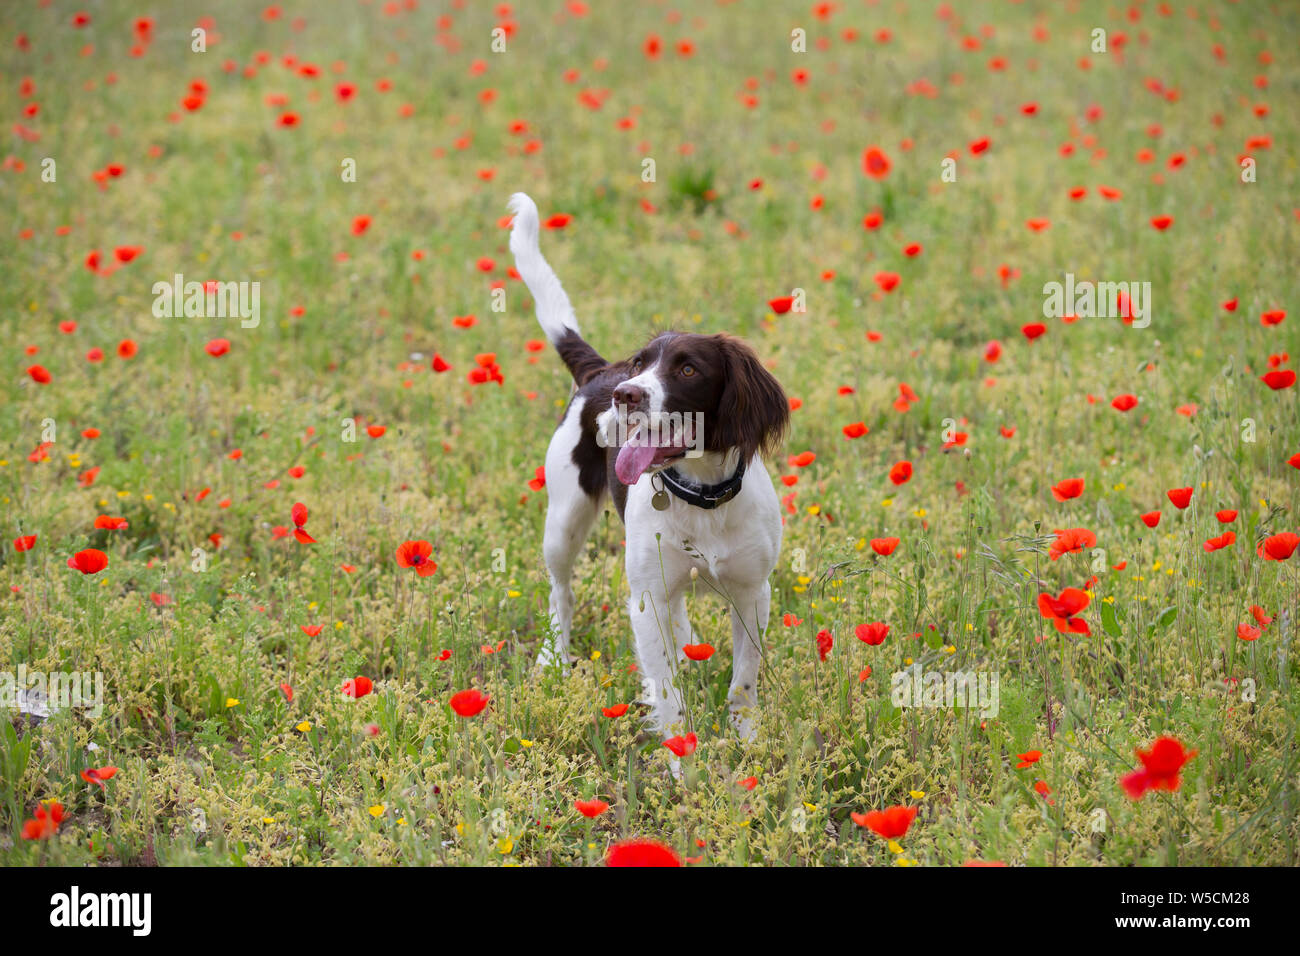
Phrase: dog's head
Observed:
(686, 394)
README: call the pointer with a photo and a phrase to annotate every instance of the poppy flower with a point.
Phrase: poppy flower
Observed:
(97, 775)
(1124, 403)
(781, 305)
(884, 546)
(1248, 633)
(1261, 618)
(415, 554)
(698, 652)
(590, 808)
(682, 746)
(357, 687)
(110, 523)
(1278, 379)
(89, 561)
(40, 375)
(1151, 519)
(901, 473)
(891, 824)
(299, 515)
(1067, 489)
(45, 824)
(439, 364)
(311, 630)
(360, 224)
(618, 710)
(1279, 547)
(1226, 516)
(993, 351)
(25, 542)
(1161, 223)
(469, 703)
(1181, 497)
(1033, 330)
(1272, 317)
(1220, 542)
(855, 430)
(1062, 611)
(873, 634)
(126, 349)
(641, 853)
(1071, 541)
(825, 643)
(875, 163)
(1161, 766)
(1029, 758)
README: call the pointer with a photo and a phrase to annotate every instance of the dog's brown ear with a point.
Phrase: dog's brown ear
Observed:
(753, 412)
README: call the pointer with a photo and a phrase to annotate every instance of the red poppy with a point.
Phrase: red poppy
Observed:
(25, 542)
(855, 430)
(1162, 222)
(1071, 541)
(469, 703)
(1260, 616)
(299, 515)
(1279, 547)
(110, 523)
(1124, 403)
(89, 561)
(1181, 497)
(1248, 633)
(39, 374)
(590, 808)
(1151, 519)
(873, 634)
(1161, 766)
(618, 710)
(875, 163)
(901, 473)
(698, 652)
(781, 304)
(415, 554)
(1226, 516)
(97, 775)
(891, 824)
(1278, 379)
(682, 746)
(357, 687)
(1067, 489)
(1222, 541)
(1033, 330)
(641, 853)
(825, 643)
(884, 546)
(1062, 611)
(1029, 758)
(45, 824)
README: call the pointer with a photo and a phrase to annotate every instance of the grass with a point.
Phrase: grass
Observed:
(217, 767)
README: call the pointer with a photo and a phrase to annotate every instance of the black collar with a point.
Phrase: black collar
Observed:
(703, 496)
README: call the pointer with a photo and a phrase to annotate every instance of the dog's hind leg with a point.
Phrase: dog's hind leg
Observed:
(570, 513)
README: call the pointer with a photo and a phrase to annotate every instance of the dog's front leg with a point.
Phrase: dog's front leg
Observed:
(749, 611)
(656, 650)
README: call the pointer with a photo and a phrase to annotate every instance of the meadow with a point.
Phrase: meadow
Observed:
(874, 195)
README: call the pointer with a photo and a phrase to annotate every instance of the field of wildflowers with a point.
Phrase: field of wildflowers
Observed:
(274, 410)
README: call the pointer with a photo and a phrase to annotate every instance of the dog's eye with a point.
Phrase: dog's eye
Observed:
(688, 370)
(636, 365)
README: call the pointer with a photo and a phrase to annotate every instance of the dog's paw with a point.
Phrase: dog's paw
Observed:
(550, 658)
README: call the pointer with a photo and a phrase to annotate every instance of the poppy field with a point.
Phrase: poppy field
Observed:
(275, 407)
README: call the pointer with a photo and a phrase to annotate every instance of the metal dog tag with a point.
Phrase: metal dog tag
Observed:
(659, 501)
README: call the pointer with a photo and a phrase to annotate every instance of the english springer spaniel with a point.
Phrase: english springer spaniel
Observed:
(675, 434)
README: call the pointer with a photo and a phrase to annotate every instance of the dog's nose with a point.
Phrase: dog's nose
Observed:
(629, 394)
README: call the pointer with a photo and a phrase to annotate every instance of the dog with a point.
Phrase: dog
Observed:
(675, 435)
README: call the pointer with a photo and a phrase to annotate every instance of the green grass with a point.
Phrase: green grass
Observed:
(204, 780)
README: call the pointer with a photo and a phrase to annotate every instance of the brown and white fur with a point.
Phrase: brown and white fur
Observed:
(732, 548)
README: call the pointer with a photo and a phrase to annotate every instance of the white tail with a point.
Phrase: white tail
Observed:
(554, 312)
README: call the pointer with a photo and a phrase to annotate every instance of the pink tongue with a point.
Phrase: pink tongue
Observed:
(632, 461)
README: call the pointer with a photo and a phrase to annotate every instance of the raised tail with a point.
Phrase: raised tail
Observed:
(554, 311)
